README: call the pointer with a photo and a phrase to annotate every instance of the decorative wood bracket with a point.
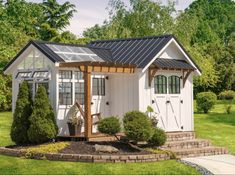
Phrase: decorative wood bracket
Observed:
(152, 72)
(186, 73)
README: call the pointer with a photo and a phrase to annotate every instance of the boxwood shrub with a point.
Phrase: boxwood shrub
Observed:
(227, 95)
(110, 126)
(137, 126)
(158, 138)
(205, 101)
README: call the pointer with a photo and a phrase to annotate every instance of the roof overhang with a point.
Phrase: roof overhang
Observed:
(104, 67)
(197, 70)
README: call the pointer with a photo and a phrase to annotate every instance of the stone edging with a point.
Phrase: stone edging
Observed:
(86, 158)
(199, 168)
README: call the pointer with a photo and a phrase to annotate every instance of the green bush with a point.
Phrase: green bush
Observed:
(227, 95)
(110, 126)
(137, 126)
(22, 112)
(205, 101)
(158, 138)
(42, 123)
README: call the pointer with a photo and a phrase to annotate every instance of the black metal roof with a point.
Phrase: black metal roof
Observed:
(132, 51)
(172, 64)
(135, 51)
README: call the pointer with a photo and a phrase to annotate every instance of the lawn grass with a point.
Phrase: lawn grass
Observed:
(5, 127)
(13, 165)
(217, 126)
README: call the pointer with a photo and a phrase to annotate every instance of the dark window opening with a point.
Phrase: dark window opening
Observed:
(65, 93)
(98, 86)
(174, 84)
(160, 84)
(79, 92)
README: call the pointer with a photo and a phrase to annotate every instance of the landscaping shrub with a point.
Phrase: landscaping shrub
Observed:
(205, 101)
(110, 125)
(227, 95)
(137, 126)
(21, 115)
(42, 123)
(158, 138)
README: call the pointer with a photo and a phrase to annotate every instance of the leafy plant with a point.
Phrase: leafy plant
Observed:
(227, 95)
(158, 138)
(137, 126)
(22, 112)
(205, 101)
(153, 115)
(110, 126)
(42, 123)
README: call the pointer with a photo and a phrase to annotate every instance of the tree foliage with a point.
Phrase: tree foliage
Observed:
(42, 120)
(22, 112)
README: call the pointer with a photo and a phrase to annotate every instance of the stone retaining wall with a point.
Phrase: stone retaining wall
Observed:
(87, 158)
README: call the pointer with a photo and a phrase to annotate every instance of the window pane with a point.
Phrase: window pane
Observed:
(64, 74)
(98, 86)
(23, 75)
(174, 85)
(40, 74)
(79, 92)
(65, 93)
(78, 75)
(160, 84)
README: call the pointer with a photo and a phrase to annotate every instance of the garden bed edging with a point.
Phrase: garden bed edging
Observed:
(86, 157)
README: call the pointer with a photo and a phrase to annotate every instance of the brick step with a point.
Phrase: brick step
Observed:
(187, 144)
(180, 136)
(195, 152)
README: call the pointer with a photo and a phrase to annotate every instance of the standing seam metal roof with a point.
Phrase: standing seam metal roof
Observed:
(135, 51)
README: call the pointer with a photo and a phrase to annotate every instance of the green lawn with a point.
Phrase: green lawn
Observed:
(217, 126)
(12, 165)
(5, 126)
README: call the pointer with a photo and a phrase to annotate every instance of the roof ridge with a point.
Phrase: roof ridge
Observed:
(57, 43)
(136, 38)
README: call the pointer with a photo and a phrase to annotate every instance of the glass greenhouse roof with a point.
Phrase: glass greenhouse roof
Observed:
(74, 53)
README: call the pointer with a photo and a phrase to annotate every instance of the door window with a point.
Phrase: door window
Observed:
(160, 84)
(174, 84)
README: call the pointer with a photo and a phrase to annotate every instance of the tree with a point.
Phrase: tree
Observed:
(143, 18)
(22, 112)
(56, 17)
(42, 121)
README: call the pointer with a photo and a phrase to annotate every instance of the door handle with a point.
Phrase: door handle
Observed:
(92, 103)
(168, 101)
(107, 103)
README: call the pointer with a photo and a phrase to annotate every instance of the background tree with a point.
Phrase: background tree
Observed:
(143, 18)
(56, 17)
(22, 112)
(42, 121)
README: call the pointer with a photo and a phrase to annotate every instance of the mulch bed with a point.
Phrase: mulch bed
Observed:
(89, 148)
(84, 147)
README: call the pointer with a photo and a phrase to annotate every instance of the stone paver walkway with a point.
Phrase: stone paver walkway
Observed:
(217, 164)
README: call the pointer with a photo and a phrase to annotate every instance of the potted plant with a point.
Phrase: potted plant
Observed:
(75, 125)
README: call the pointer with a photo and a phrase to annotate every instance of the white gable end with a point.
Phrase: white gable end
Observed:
(30, 59)
(173, 50)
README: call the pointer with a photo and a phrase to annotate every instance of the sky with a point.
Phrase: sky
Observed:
(91, 12)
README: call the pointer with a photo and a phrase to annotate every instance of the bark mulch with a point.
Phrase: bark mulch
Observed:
(89, 148)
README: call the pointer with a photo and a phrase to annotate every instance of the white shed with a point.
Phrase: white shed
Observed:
(111, 77)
